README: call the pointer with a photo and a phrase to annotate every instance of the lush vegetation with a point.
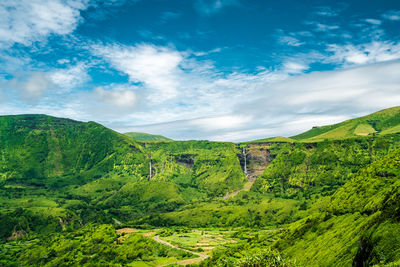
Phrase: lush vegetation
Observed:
(379, 123)
(147, 137)
(333, 193)
(309, 170)
(359, 223)
(89, 246)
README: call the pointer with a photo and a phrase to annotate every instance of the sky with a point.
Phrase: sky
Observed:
(222, 70)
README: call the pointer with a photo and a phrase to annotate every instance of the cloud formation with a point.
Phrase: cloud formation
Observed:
(295, 105)
(33, 88)
(156, 67)
(375, 51)
(118, 97)
(70, 77)
(27, 21)
(392, 15)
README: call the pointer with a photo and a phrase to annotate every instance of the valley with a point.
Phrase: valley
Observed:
(76, 193)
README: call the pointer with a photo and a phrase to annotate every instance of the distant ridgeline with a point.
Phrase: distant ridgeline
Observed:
(59, 175)
(147, 137)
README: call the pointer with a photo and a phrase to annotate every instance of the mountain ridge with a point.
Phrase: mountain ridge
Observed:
(381, 122)
(147, 137)
(62, 176)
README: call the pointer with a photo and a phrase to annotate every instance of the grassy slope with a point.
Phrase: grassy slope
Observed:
(275, 139)
(358, 224)
(381, 122)
(51, 148)
(147, 137)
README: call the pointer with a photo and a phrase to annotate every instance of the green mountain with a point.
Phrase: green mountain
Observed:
(147, 137)
(59, 168)
(383, 122)
(275, 139)
(39, 149)
(331, 194)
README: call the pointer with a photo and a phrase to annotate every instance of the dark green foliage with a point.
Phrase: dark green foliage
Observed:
(89, 246)
(254, 252)
(247, 209)
(145, 197)
(211, 167)
(306, 169)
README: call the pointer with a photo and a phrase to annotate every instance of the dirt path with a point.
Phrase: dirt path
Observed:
(181, 262)
(246, 187)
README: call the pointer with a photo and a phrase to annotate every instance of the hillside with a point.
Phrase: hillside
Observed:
(360, 222)
(61, 178)
(357, 226)
(383, 122)
(147, 137)
(85, 172)
(55, 149)
(319, 168)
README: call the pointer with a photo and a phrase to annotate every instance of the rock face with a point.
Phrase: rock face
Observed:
(254, 158)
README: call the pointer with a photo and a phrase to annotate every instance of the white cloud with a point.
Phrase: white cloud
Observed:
(289, 128)
(63, 61)
(290, 40)
(290, 106)
(374, 21)
(220, 122)
(320, 27)
(292, 67)
(392, 15)
(70, 77)
(156, 67)
(204, 53)
(118, 97)
(26, 21)
(33, 88)
(376, 51)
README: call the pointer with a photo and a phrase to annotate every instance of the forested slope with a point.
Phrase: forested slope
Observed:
(358, 225)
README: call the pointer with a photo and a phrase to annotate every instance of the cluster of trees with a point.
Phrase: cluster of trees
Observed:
(89, 246)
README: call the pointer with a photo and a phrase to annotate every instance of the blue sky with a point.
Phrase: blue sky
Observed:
(227, 70)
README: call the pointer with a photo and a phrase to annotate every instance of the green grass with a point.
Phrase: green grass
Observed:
(394, 129)
(276, 139)
(364, 130)
(379, 122)
(204, 239)
(147, 137)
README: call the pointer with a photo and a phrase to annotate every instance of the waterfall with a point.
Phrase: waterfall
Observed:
(150, 166)
(245, 161)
